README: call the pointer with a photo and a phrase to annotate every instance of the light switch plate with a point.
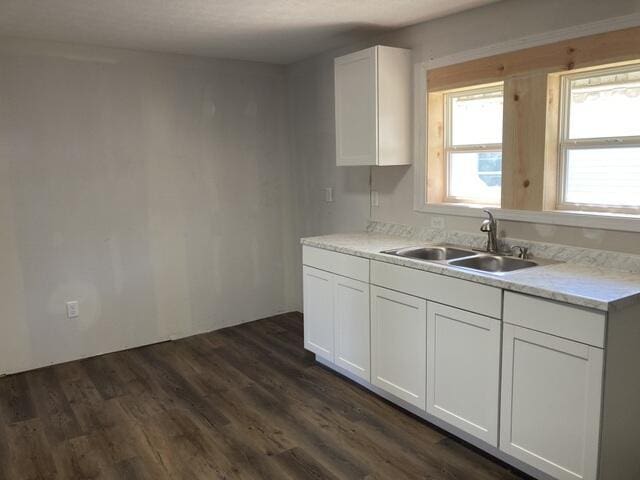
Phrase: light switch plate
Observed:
(73, 310)
(328, 194)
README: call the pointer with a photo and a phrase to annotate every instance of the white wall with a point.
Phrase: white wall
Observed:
(167, 193)
(154, 189)
(311, 117)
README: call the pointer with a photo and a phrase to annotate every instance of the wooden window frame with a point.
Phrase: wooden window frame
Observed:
(565, 143)
(531, 69)
(449, 148)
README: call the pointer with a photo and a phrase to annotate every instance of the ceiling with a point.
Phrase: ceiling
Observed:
(275, 31)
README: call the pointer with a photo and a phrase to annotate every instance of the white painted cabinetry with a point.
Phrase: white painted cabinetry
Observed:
(351, 316)
(318, 311)
(398, 344)
(551, 392)
(336, 309)
(463, 370)
(459, 293)
(372, 107)
(546, 386)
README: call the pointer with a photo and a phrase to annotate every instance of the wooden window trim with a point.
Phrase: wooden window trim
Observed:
(532, 79)
(583, 52)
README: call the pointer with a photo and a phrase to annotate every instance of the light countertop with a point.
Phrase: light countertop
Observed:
(586, 286)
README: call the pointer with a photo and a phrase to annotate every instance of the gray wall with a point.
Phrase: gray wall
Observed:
(167, 193)
(312, 122)
(155, 189)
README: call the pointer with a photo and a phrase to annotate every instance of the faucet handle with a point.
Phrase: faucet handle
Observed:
(523, 252)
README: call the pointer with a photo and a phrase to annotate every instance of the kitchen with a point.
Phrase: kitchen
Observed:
(316, 240)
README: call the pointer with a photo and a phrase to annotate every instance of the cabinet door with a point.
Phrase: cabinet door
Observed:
(463, 370)
(399, 341)
(356, 108)
(318, 311)
(551, 397)
(351, 313)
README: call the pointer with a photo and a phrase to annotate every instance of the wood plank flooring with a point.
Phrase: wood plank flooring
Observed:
(246, 402)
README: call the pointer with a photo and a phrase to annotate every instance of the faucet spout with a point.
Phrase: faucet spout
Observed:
(490, 226)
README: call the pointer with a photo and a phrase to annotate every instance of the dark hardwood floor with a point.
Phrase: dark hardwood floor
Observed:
(246, 402)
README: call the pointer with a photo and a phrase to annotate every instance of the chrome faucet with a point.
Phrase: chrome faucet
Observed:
(490, 226)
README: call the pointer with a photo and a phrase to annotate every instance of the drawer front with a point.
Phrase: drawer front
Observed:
(548, 316)
(340, 263)
(461, 294)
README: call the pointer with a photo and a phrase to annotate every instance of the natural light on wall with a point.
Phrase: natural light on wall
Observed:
(473, 144)
(600, 140)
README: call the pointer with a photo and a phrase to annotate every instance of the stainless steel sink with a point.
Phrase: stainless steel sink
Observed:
(493, 263)
(434, 253)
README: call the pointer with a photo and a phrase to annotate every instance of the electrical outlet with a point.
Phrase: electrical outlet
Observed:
(375, 199)
(73, 309)
(328, 194)
(437, 223)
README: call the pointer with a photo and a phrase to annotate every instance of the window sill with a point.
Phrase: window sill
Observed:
(605, 221)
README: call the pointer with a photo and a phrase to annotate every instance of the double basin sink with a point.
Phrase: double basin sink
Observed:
(468, 259)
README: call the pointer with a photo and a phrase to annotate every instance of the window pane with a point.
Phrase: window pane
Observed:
(605, 106)
(476, 119)
(476, 176)
(603, 176)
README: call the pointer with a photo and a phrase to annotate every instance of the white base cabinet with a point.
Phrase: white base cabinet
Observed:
(398, 344)
(318, 312)
(548, 387)
(351, 317)
(463, 370)
(336, 320)
(551, 400)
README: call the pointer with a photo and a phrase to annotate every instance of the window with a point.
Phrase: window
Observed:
(599, 155)
(543, 129)
(473, 145)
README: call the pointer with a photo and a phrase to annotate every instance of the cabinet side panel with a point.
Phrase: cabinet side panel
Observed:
(620, 449)
(394, 106)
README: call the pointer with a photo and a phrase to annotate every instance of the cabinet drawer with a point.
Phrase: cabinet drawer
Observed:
(462, 294)
(340, 263)
(548, 316)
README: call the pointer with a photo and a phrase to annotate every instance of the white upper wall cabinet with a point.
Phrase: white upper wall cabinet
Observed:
(373, 107)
